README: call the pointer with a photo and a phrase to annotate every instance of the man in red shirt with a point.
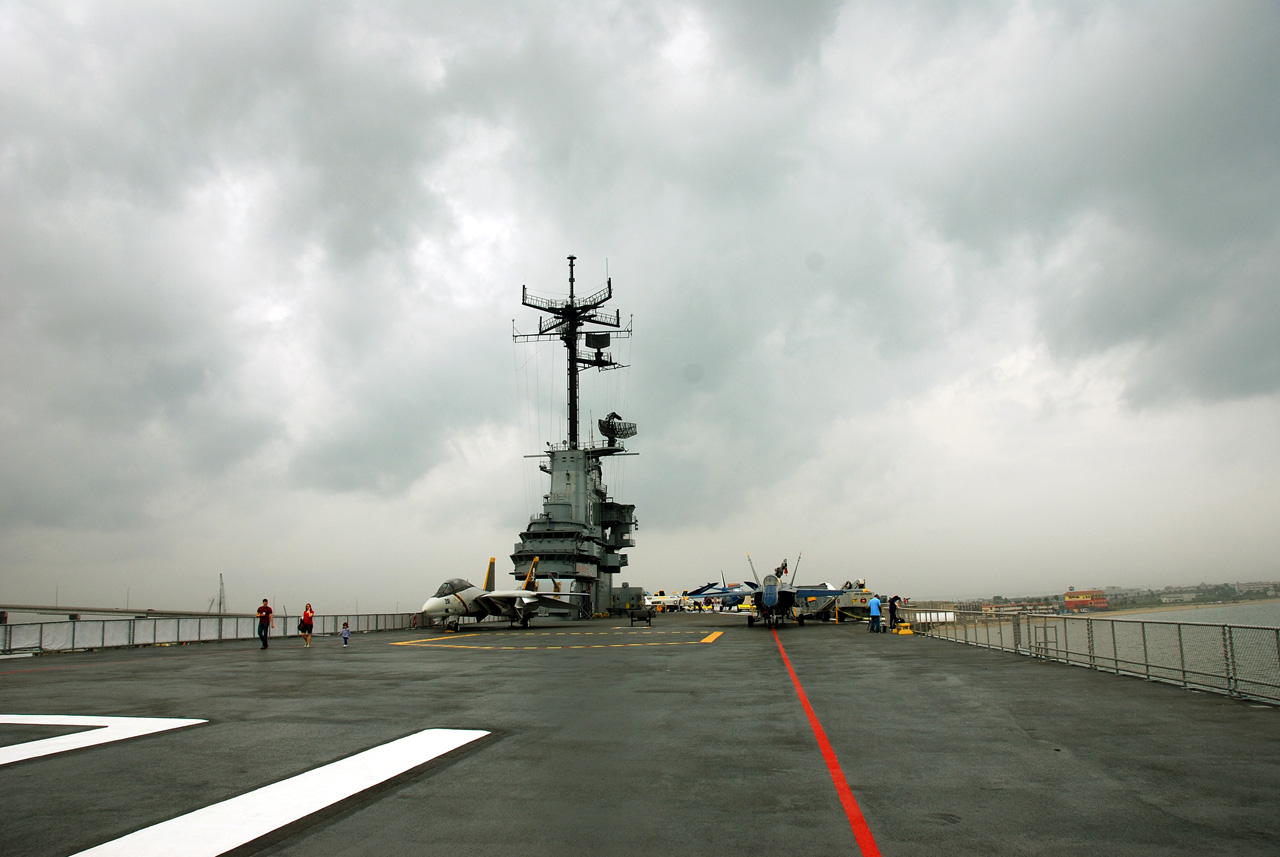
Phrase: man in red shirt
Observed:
(265, 621)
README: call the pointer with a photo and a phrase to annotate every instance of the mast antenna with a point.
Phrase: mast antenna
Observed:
(581, 531)
(567, 321)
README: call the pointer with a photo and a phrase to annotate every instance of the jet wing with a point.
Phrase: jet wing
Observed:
(807, 592)
(701, 591)
(822, 598)
(717, 592)
(558, 602)
(523, 601)
(497, 603)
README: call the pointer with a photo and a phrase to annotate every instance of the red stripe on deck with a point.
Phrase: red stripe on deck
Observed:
(862, 833)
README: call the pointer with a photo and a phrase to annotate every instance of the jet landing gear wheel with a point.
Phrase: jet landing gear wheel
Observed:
(751, 620)
(451, 625)
(524, 621)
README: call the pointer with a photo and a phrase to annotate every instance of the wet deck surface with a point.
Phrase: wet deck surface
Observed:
(607, 739)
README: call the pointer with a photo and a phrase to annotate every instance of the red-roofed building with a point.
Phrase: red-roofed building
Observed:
(1083, 600)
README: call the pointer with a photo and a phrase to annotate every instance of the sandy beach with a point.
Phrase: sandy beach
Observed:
(1171, 608)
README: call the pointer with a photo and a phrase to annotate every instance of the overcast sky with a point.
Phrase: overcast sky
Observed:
(961, 298)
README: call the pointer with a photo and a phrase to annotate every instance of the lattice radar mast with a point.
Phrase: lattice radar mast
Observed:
(581, 531)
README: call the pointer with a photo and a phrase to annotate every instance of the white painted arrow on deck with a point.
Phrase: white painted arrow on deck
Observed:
(98, 730)
(218, 828)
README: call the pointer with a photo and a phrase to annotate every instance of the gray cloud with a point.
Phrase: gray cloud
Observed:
(267, 256)
(1149, 179)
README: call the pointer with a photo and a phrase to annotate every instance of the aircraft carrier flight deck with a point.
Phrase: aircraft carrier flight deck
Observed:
(697, 736)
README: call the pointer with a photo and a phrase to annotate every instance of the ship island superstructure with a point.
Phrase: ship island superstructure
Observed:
(581, 532)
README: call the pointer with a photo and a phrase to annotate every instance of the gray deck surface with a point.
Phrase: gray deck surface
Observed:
(678, 748)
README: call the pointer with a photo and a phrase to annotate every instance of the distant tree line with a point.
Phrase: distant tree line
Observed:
(1119, 599)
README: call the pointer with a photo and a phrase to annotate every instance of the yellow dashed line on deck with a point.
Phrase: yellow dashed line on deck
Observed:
(447, 642)
(431, 639)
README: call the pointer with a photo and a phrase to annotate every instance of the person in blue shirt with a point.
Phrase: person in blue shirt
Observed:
(875, 614)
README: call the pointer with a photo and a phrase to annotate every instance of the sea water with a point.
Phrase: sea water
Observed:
(1264, 614)
(1229, 648)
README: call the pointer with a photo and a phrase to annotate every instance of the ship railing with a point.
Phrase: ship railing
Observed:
(1242, 661)
(90, 634)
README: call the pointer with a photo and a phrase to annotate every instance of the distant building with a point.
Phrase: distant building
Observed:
(1084, 600)
(1261, 587)
(1177, 597)
(1014, 607)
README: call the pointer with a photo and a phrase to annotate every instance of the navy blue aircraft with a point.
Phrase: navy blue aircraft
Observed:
(773, 599)
(735, 595)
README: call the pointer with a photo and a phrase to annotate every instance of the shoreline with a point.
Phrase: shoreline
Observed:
(1171, 608)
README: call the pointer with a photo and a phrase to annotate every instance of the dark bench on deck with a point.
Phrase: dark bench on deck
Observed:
(642, 614)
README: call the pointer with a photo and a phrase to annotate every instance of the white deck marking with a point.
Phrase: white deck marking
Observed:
(236, 821)
(101, 730)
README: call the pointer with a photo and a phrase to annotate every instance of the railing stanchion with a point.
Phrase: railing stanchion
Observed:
(1228, 661)
(1146, 659)
(1115, 650)
(1088, 629)
(1182, 656)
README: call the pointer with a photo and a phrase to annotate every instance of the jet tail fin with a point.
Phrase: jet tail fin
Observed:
(531, 582)
(753, 569)
(488, 578)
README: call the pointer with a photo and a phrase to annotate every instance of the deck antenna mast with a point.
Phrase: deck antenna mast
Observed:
(581, 531)
(566, 323)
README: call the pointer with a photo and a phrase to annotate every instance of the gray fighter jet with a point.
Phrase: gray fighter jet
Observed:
(773, 599)
(457, 598)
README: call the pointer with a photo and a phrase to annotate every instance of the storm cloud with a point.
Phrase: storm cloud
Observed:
(959, 298)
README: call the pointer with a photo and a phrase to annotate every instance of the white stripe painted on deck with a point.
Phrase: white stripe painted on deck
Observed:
(236, 821)
(100, 730)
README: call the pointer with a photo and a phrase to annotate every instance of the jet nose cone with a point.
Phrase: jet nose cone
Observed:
(434, 607)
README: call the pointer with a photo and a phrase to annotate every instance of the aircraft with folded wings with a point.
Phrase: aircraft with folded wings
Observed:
(683, 601)
(735, 594)
(774, 599)
(457, 598)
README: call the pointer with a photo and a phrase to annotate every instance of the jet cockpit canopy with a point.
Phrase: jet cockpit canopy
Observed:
(452, 585)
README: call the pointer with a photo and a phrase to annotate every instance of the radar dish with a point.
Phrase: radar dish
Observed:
(616, 430)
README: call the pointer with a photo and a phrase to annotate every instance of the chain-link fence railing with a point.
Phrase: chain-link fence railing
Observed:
(84, 634)
(1236, 660)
